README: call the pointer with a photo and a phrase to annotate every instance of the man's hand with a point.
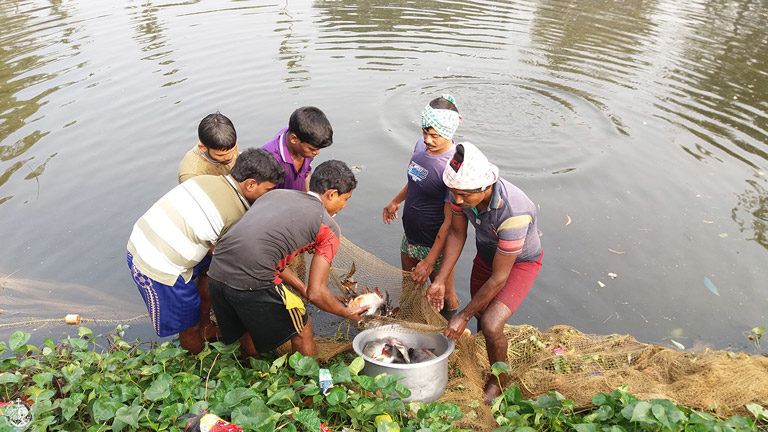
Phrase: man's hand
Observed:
(422, 271)
(456, 326)
(390, 212)
(355, 313)
(436, 295)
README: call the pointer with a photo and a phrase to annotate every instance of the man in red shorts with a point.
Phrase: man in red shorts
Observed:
(508, 250)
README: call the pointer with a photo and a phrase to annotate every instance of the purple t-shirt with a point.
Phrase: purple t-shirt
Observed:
(426, 196)
(293, 179)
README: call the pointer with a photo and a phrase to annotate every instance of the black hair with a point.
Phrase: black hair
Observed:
(332, 174)
(257, 164)
(443, 103)
(217, 132)
(310, 125)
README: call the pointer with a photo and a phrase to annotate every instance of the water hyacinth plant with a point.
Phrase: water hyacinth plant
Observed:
(80, 385)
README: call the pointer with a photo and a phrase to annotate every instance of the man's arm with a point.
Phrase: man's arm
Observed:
(291, 278)
(454, 243)
(425, 266)
(390, 210)
(502, 266)
(319, 294)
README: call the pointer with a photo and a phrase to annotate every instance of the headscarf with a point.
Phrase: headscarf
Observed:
(444, 121)
(469, 169)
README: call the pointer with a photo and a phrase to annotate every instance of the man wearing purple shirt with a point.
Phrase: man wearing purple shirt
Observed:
(294, 147)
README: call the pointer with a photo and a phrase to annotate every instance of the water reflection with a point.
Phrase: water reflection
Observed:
(25, 78)
(602, 39)
(751, 211)
(388, 35)
(292, 49)
(719, 83)
(152, 40)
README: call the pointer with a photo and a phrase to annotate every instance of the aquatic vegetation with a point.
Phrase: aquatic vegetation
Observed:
(81, 385)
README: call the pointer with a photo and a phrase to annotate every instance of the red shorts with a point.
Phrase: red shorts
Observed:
(518, 283)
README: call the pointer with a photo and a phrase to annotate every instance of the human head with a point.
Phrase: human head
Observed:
(218, 139)
(442, 116)
(334, 182)
(469, 175)
(258, 172)
(309, 131)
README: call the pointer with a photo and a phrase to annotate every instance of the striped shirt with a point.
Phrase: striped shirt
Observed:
(176, 233)
(507, 226)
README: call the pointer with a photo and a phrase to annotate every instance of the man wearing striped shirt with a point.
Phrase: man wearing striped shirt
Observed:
(508, 250)
(171, 243)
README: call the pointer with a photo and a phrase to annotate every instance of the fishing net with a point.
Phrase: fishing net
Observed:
(562, 359)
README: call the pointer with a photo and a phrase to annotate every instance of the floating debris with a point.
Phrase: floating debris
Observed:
(677, 344)
(616, 252)
(723, 235)
(602, 285)
(569, 220)
(711, 286)
(613, 275)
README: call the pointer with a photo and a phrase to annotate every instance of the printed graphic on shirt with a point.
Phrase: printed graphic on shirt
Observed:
(417, 173)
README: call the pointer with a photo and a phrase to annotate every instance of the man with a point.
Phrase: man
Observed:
(250, 262)
(296, 146)
(216, 150)
(169, 245)
(508, 250)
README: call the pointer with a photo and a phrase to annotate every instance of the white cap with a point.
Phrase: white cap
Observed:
(469, 169)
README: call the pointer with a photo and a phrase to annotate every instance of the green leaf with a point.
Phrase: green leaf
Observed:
(281, 394)
(758, 331)
(83, 331)
(499, 368)
(278, 363)
(357, 365)
(129, 415)
(7, 378)
(173, 410)
(256, 416)
(638, 412)
(237, 395)
(69, 406)
(366, 382)
(198, 407)
(104, 409)
(42, 379)
(309, 419)
(402, 390)
(586, 427)
(758, 411)
(18, 340)
(226, 349)
(386, 383)
(78, 344)
(160, 388)
(340, 373)
(336, 395)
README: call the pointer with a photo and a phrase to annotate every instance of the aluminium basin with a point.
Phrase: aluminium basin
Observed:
(425, 380)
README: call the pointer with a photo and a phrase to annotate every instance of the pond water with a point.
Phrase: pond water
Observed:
(639, 127)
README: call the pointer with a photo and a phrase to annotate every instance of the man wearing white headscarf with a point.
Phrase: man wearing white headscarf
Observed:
(508, 250)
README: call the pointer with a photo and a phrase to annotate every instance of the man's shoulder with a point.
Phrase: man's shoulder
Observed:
(273, 145)
(194, 164)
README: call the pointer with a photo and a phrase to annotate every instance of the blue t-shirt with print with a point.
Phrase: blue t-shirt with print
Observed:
(427, 194)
